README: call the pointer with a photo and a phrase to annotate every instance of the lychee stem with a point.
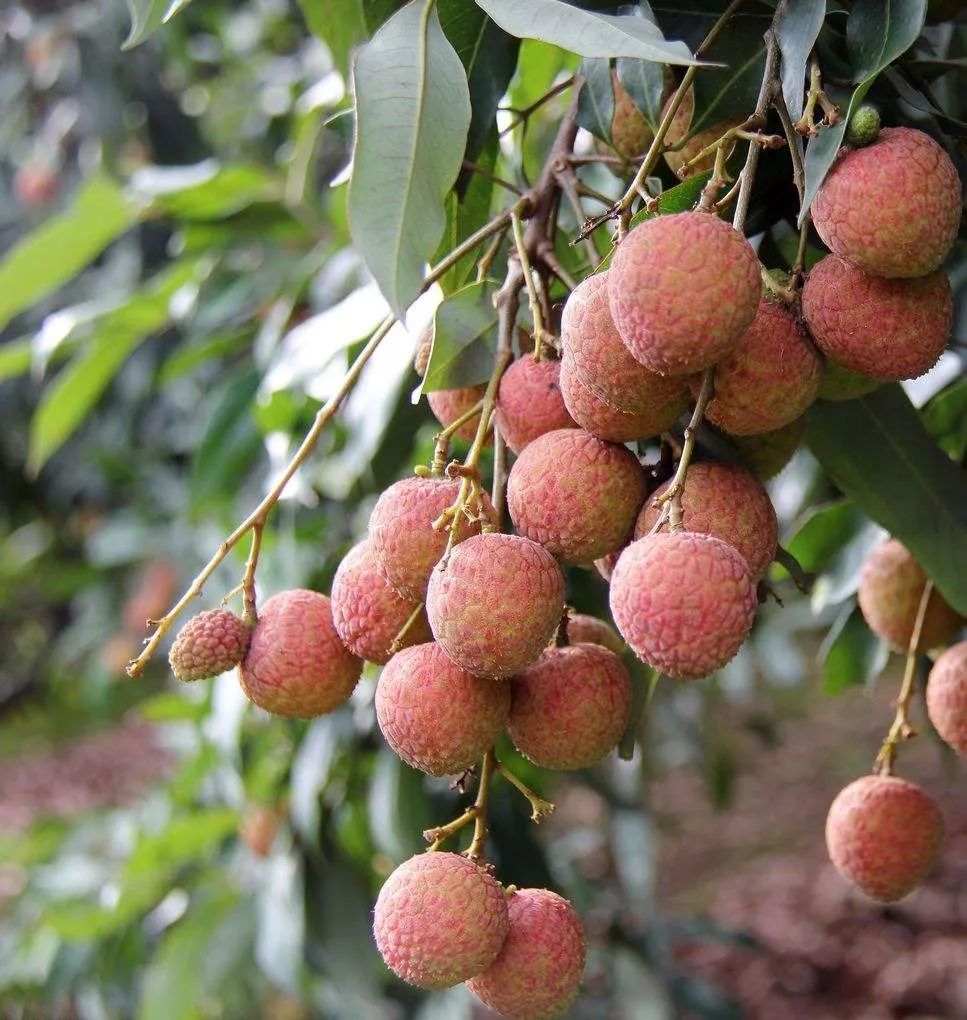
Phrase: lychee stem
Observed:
(540, 808)
(537, 315)
(437, 837)
(442, 439)
(249, 611)
(806, 125)
(397, 644)
(476, 849)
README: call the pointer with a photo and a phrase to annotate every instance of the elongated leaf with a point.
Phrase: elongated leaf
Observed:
(411, 132)
(822, 532)
(595, 111)
(645, 82)
(797, 28)
(339, 23)
(15, 359)
(147, 16)
(463, 340)
(945, 418)
(205, 191)
(851, 653)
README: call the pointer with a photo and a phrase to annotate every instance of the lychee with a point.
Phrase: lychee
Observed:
(296, 665)
(539, 969)
(676, 158)
(766, 455)
(529, 401)
(883, 329)
(884, 835)
(892, 207)
(496, 603)
(682, 290)
(208, 644)
(841, 384)
(685, 602)
(368, 612)
(585, 629)
(947, 697)
(439, 920)
(575, 494)
(631, 134)
(436, 716)
(863, 127)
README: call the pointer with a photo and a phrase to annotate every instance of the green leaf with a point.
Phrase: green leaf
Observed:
(797, 29)
(822, 532)
(595, 111)
(339, 23)
(945, 418)
(678, 199)
(411, 132)
(397, 807)
(206, 191)
(15, 358)
(644, 681)
(645, 82)
(147, 16)
(851, 654)
(464, 340)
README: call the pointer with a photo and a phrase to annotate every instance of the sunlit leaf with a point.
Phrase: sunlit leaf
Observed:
(851, 654)
(463, 340)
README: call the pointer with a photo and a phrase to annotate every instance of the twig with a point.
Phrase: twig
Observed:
(806, 125)
(540, 808)
(521, 116)
(249, 613)
(397, 642)
(476, 849)
(441, 441)
(490, 176)
(534, 301)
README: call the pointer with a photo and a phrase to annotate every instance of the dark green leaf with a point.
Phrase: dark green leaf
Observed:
(822, 532)
(677, 199)
(15, 359)
(376, 12)
(851, 654)
(945, 418)
(463, 340)
(398, 811)
(595, 111)
(644, 680)
(645, 82)
(339, 23)
(797, 28)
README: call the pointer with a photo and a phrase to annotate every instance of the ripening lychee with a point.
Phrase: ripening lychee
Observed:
(296, 665)
(208, 644)
(675, 157)
(575, 494)
(890, 590)
(405, 545)
(727, 502)
(766, 455)
(496, 603)
(892, 207)
(631, 134)
(582, 628)
(449, 405)
(884, 835)
(883, 329)
(529, 401)
(368, 612)
(436, 716)
(570, 707)
(439, 920)
(685, 602)
(539, 969)
(841, 384)
(682, 290)
(947, 697)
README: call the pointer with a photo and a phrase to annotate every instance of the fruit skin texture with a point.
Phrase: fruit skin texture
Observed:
(405, 546)
(575, 494)
(893, 207)
(766, 455)
(529, 402)
(436, 716)
(682, 290)
(883, 329)
(841, 384)
(884, 835)
(891, 586)
(729, 503)
(296, 665)
(208, 644)
(570, 707)
(368, 612)
(497, 603)
(439, 920)
(684, 602)
(539, 969)
(947, 697)
(582, 628)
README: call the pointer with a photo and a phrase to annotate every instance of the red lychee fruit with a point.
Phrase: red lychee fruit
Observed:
(529, 401)
(496, 604)
(439, 920)
(209, 644)
(841, 384)
(683, 289)
(296, 665)
(893, 207)
(947, 697)
(539, 969)
(883, 329)
(436, 716)
(585, 629)
(685, 602)
(766, 455)
(884, 835)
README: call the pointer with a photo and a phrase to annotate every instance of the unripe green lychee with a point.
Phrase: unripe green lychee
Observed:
(570, 707)
(529, 401)
(208, 644)
(682, 290)
(676, 158)
(841, 384)
(947, 697)
(496, 604)
(368, 612)
(405, 545)
(439, 920)
(539, 969)
(727, 502)
(436, 716)
(884, 835)
(631, 134)
(893, 207)
(883, 329)
(766, 455)
(296, 665)
(575, 494)
(890, 590)
(685, 602)
(863, 127)
(585, 629)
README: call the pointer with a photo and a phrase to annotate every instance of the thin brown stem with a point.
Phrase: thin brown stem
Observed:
(476, 849)
(441, 441)
(522, 116)
(535, 305)
(249, 612)
(540, 808)
(397, 642)
(490, 176)
(438, 836)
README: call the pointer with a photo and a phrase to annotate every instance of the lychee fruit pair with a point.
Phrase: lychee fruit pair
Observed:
(947, 697)
(529, 401)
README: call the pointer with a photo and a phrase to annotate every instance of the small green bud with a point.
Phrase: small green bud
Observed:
(864, 126)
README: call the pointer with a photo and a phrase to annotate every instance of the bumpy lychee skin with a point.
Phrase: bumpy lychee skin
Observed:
(575, 494)
(884, 835)
(208, 644)
(296, 665)
(883, 329)
(893, 207)
(405, 545)
(368, 612)
(436, 716)
(947, 697)
(529, 401)
(891, 586)
(682, 289)
(685, 602)
(496, 604)
(727, 502)
(539, 969)
(439, 920)
(585, 629)
(570, 707)
(766, 455)
(841, 384)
